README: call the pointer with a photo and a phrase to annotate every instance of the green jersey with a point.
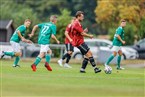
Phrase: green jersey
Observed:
(120, 32)
(15, 36)
(46, 30)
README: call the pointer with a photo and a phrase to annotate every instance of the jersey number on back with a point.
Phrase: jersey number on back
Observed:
(45, 29)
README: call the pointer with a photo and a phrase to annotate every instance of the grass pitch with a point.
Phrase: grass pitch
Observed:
(62, 82)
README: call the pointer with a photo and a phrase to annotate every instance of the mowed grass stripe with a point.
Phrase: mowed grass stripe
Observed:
(61, 82)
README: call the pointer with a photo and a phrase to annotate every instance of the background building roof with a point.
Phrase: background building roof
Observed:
(5, 24)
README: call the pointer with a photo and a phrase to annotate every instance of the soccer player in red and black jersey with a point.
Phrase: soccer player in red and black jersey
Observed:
(69, 47)
(78, 41)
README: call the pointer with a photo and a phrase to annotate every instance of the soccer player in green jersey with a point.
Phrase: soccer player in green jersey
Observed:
(118, 41)
(14, 41)
(47, 31)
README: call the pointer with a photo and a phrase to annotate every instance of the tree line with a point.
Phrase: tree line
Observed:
(101, 16)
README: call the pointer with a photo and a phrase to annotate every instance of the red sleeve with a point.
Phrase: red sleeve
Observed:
(78, 27)
(68, 28)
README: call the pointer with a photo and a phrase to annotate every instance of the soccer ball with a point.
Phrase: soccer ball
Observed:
(108, 70)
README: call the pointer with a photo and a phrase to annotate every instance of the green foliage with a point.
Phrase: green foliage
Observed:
(141, 30)
(18, 13)
(40, 10)
(129, 33)
(87, 6)
(130, 30)
(63, 20)
(110, 12)
(45, 8)
(5, 10)
(112, 32)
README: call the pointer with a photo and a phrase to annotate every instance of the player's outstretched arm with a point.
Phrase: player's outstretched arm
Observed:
(86, 35)
(33, 30)
(20, 35)
(53, 37)
(123, 42)
(23, 39)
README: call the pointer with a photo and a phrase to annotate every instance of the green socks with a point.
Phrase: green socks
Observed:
(9, 53)
(47, 57)
(110, 59)
(17, 59)
(37, 61)
(118, 61)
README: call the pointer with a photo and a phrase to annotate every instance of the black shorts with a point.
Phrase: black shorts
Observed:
(69, 47)
(83, 48)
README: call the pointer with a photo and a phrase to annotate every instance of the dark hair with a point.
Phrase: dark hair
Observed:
(27, 20)
(123, 20)
(78, 13)
(73, 18)
(53, 17)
